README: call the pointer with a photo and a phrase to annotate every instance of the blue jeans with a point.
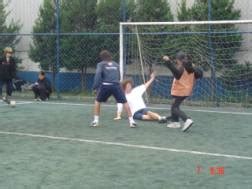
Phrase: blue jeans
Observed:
(8, 85)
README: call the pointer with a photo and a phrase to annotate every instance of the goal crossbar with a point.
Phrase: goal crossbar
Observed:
(187, 22)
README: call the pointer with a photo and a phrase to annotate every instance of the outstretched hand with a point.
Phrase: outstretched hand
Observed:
(153, 75)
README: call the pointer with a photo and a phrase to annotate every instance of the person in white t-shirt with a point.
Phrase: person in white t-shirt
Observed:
(136, 102)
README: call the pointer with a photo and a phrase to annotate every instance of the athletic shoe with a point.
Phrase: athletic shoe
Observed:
(94, 124)
(133, 125)
(169, 118)
(6, 100)
(162, 120)
(118, 118)
(174, 125)
(188, 123)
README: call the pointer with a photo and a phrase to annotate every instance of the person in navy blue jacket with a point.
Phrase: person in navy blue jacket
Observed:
(106, 84)
(42, 88)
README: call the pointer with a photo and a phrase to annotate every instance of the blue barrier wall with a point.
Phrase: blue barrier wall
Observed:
(67, 81)
(72, 82)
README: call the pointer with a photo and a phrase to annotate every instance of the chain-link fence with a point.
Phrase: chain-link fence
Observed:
(65, 37)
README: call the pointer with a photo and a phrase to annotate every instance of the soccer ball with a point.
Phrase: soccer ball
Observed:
(13, 103)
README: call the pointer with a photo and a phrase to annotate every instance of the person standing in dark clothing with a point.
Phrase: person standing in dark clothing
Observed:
(7, 73)
(106, 84)
(185, 76)
(42, 88)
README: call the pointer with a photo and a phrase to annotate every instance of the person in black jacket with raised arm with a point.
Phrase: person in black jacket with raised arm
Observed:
(7, 73)
(42, 88)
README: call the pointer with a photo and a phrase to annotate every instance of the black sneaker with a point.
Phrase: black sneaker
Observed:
(162, 120)
(6, 100)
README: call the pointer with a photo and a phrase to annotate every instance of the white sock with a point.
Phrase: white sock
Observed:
(159, 118)
(119, 108)
(96, 118)
(131, 120)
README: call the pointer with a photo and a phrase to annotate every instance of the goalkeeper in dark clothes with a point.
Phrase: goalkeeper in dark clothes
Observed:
(185, 75)
(42, 88)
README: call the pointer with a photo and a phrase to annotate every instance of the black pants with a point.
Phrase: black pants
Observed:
(40, 92)
(176, 113)
(8, 84)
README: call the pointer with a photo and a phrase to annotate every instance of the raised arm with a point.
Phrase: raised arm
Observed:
(176, 72)
(152, 78)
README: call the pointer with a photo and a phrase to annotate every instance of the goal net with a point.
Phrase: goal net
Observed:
(223, 49)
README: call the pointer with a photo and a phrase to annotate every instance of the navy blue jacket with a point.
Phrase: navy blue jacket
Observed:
(106, 72)
(46, 84)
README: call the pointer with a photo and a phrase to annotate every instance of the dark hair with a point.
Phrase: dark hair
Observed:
(105, 55)
(125, 83)
(186, 61)
(42, 73)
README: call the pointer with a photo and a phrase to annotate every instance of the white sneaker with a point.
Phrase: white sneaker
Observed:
(174, 125)
(94, 124)
(118, 118)
(133, 125)
(188, 123)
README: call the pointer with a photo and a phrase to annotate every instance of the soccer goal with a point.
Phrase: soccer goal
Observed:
(223, 49)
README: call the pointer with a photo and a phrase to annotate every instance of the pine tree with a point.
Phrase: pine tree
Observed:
(43, 48)
(223, 48)
(153, 11)
(12, 27)
(108, 18)
(79, 51)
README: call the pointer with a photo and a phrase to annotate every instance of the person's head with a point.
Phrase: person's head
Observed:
(8, 52)
(41, 75)
(105, 55)
(184, 60)
(127, 85)
(180, 57)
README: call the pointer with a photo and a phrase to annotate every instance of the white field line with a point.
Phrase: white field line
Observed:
(154, 108)
(126, 145)
(17, 103)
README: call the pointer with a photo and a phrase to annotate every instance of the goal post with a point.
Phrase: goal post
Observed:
(222, 48)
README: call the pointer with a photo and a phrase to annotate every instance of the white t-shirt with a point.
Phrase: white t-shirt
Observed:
(135, 99)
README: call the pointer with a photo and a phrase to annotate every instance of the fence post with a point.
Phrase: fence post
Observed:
(212, 56)
(123, 10)
(57, 30)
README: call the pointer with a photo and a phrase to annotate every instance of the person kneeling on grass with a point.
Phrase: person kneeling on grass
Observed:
(42, 88)
(136, 102)
(185, 75)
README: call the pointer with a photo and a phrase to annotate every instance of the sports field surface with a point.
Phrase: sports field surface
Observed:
(51, 146)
